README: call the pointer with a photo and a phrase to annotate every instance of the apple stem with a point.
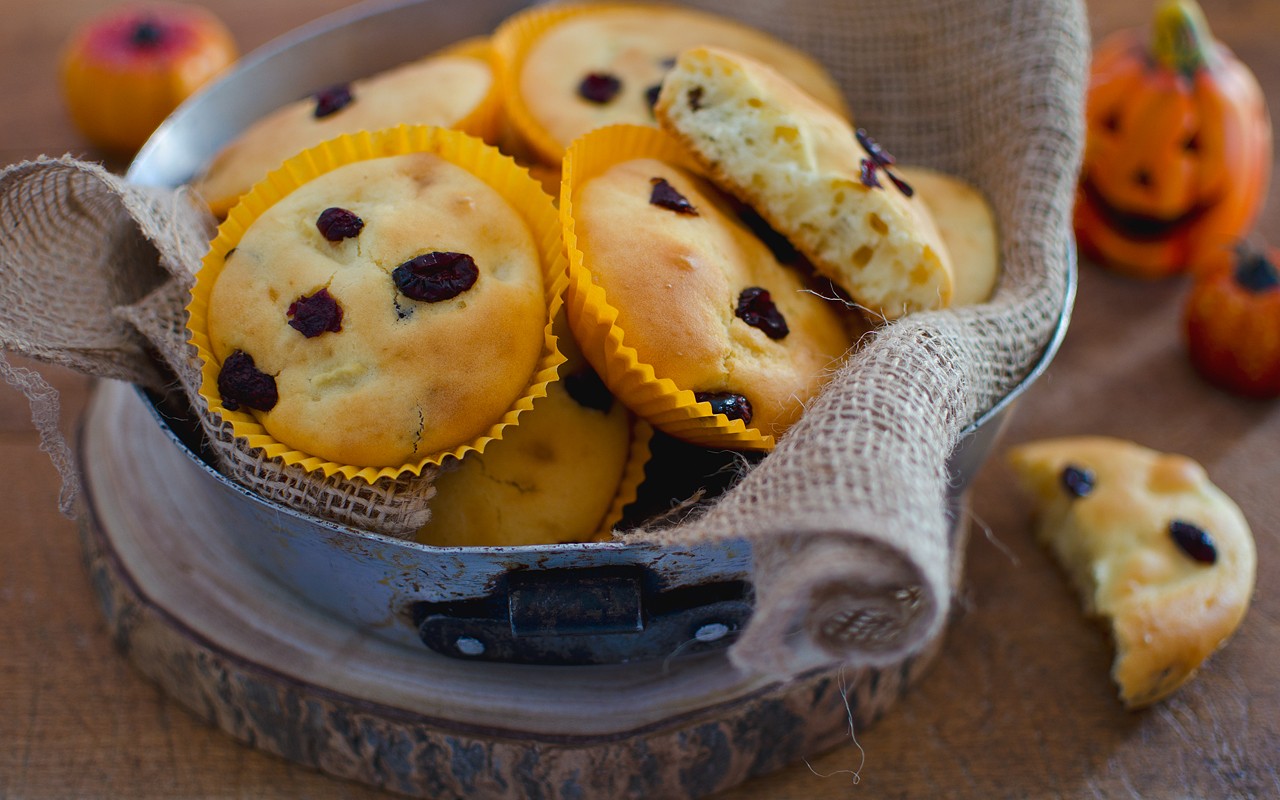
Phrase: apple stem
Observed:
(1255, 272)
(145, 34)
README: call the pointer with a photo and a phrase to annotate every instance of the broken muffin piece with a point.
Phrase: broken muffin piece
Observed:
(832, 191)
(1153, 547)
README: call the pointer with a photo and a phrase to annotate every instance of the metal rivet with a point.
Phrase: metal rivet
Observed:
(711, 632)
(469, 646)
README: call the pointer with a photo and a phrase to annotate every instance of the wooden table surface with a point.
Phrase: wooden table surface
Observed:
(1019, 703)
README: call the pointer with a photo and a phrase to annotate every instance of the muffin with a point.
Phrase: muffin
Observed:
(453, 89)
(1153, 547)
(688, 288)
(559, 476)
(573, 68)
(967, 226)
(390, 309)
(832, 192)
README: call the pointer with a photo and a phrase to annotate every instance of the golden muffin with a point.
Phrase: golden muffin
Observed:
(699, 297)
(830, 190)
(553, 478)
(386, 310)
(1153, 547)
(967, 226)
(572, 68)
(454, 89)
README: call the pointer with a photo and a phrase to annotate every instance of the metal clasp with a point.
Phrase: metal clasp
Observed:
(599, 615)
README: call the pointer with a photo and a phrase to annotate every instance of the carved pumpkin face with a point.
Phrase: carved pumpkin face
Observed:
(1178, 152)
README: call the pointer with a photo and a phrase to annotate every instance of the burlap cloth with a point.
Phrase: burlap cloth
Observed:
(848, 518)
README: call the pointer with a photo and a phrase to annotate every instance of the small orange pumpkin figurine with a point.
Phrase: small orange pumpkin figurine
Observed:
(1178, 153)
(1233, 322)
(123, 73)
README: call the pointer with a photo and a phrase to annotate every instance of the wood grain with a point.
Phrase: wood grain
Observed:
(1018, 705)
(231, 643)
(285, 678)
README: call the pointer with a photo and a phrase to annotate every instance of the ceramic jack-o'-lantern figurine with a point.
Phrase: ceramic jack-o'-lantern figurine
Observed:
(1178, 153)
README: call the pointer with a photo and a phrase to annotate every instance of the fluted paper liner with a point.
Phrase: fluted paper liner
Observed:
(523, 193)
(511, 44)
(848, 519)
(485, 121)
(594, 321)
(632, 476)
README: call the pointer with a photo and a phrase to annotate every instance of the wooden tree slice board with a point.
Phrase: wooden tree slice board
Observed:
(241, 651)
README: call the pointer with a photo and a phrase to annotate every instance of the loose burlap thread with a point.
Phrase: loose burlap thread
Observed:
(849, 518)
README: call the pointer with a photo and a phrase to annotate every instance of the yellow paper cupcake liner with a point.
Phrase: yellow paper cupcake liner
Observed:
(512, 42)
(502, 174)
(486, 119)
(632, 476)
(594, 321)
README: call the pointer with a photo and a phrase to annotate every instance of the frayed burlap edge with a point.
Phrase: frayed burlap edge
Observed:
(130, 253)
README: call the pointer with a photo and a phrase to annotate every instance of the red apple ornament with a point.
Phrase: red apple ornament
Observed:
(124, 72)
(1232, 321)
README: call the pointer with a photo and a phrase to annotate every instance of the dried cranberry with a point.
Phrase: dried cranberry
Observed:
(1194, 541)
(433, 277)
(1078, 481)
(665, 195)
(332, 100)
(902, 185)
(756, 308)
(733, 406)
(694, 98)
(867, 174)
(588, 391)
(873, 149)
(336, 224)
(879, 160)
(315, 314)
(240, 382)
(599, 87)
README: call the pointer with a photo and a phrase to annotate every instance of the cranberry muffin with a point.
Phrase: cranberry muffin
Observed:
(573, 68)
(967, 225)
(831, 190)
(387, 310)
(453, 89)
(1153, 547)
(699, 297)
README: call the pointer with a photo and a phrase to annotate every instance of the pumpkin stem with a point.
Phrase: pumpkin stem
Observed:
(1255, 271)
(1181, 40)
